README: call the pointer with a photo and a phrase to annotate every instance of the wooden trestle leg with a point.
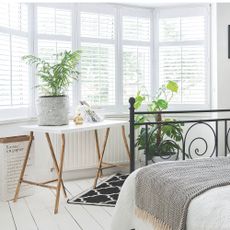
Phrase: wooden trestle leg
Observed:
(55, 161)
(60, 174)
(99, 168)
(21, 177)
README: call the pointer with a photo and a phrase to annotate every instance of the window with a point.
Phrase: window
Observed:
(97, 42)
(124, 49)
(183, 53)
(54, 21)
(54, 32)
(136, 41)
(14, 74)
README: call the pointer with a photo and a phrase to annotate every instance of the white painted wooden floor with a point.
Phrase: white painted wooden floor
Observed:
(36, 212)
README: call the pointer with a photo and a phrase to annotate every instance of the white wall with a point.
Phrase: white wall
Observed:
(223, 63)
(220, 64)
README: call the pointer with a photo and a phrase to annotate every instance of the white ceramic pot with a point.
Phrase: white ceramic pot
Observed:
(53, 110)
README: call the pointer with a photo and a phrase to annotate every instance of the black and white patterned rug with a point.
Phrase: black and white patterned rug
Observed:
(105, 194)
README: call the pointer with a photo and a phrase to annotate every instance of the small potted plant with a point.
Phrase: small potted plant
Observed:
(54, 80)
(163, 140)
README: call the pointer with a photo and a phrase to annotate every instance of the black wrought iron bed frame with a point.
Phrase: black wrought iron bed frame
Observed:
(194, 122)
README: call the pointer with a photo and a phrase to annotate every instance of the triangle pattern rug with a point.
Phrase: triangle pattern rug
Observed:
(105, 194)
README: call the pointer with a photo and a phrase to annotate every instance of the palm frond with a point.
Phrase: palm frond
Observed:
(57, 77)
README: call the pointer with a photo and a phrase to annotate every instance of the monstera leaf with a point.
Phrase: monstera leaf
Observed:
(138, 100)
(164, 139)
(172, 86)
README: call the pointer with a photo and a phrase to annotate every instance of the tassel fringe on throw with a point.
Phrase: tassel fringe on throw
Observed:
(157, 223)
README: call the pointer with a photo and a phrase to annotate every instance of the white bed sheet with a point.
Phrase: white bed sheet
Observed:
(209, 211)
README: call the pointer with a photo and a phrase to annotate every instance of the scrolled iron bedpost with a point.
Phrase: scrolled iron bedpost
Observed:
(132, 133)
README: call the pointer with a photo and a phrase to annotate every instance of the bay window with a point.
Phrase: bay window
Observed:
(124, 49)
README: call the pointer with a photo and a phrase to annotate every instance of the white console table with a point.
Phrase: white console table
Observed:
(62, 130)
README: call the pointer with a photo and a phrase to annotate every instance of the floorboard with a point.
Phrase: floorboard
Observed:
(36, 212)
(20, 216)
(7, 220)
(100, 215)
(83, 218)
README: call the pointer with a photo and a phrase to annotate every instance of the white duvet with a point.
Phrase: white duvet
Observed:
(209, 211)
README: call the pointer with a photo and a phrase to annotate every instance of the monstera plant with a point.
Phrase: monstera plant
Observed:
(163, 139)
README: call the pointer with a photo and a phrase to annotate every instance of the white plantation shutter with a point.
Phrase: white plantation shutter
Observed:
(14, 76)
(182, 29)
(5, 70)
(98, 74)
(136, 71)
(14, 16)
(94, 25)
(97, 41)
(20, 75)
(183, 57)
(54, 21)
(48, 47)
(54, 33)
(136, 30)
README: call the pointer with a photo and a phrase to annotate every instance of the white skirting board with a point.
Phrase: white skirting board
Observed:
(91, 173)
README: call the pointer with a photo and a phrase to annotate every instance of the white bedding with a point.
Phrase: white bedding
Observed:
(209, 211)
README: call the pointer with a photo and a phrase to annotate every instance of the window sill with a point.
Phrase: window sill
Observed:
(110, 116)
(17, 121)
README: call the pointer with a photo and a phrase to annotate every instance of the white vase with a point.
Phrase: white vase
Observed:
(53, 110)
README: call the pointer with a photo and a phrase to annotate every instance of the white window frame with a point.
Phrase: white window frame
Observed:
(104, 9)
(18, 111)
(144, 13)
(119, 11)
(198, 10)
(41, 36)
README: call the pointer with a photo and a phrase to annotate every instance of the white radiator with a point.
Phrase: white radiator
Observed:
(80, 152)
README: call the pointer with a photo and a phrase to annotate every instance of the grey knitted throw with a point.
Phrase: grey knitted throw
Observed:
(164, 190)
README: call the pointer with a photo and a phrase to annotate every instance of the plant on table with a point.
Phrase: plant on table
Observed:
(55, 77)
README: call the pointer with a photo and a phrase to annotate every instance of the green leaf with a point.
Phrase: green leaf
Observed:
(57, 77)
(161, 104)
(138, 100)
(172, 86)
(153, 106)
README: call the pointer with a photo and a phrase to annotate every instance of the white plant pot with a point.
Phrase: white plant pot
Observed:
(53, 110)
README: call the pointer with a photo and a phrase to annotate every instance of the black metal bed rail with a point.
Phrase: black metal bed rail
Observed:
(186, 144)
(182, 111)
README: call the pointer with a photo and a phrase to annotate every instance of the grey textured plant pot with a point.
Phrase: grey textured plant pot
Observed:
(53, 110)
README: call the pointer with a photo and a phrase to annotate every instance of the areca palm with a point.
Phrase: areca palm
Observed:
(57, 77)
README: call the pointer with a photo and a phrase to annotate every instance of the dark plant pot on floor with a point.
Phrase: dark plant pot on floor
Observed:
(53, 110)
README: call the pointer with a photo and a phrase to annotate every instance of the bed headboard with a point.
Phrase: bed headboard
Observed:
(208, 122)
